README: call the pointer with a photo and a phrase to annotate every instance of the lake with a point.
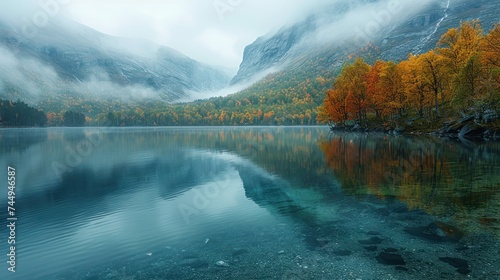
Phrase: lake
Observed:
(249, 203)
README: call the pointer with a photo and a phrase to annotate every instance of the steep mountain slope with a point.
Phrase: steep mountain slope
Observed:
(394, 35)
(74, 60)
(265, 53)
(421, 32)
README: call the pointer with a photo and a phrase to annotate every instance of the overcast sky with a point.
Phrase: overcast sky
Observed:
(211, 31)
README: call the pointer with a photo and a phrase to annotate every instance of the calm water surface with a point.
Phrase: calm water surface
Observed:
(270, 203)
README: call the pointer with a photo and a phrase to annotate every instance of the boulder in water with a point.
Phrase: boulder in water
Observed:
(221, 264)
(390, 259)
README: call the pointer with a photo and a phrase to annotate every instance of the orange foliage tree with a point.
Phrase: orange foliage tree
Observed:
(461, 75)
(354, 81)
(375, 89)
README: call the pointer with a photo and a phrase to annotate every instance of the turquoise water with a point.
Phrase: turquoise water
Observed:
(249, 203)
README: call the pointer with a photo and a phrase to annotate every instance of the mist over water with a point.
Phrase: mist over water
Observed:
(172, 202)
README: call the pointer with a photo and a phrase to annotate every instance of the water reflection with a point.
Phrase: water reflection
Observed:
(183, 170)
(252, 192)
(441, 177)
(19, 140)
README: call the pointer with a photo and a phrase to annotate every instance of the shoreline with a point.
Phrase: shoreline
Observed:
(470, 130)
(458, 130)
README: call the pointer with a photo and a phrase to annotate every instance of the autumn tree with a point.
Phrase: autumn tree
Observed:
(434, 74)
(490, 47)
(461, 75)
(334, 108)
(470, 90)
(54, 119)
(354, 83)
(415, 86)
(458, 45)
(390, 81)
(375, 89)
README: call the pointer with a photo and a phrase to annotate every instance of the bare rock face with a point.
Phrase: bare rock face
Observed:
(419, 33)
(268, 52)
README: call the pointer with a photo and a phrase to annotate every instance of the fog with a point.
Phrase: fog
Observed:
(362, 23)
(357, 27)
(32, 81)
(197, 95)
(213, 32)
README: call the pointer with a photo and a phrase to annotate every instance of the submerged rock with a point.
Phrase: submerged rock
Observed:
(323, 241)
(461, 264)
(450, 232)
(372, 248)
(455, 262)
(423, 233)
(221, 264)
(437, 231)
(372, 241)
(390, 259)
(390, 250)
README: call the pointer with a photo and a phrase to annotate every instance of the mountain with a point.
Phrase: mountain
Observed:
(334, 31)
(67, 59)
(267, 52)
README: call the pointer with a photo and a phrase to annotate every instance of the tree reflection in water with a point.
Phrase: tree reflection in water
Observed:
(441, 177)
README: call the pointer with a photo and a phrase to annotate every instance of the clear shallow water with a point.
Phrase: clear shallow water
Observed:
(272, 203)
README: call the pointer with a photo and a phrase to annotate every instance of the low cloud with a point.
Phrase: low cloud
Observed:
(193, 27)
(33, 81)
(28, 75)
(214, 31)
(197, 95)
(363, 22)
(186, 25)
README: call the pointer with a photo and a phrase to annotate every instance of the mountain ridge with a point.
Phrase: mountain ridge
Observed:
(79, 54)
(395, 39)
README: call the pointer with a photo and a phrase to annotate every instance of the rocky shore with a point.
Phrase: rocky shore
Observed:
(468, 128)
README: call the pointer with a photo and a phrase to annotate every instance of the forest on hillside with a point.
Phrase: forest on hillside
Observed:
(460, 77)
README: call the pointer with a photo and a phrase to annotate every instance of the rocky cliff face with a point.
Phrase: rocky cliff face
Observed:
(417, 32)
(422, 32)
(79, 56)
(265, 53)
